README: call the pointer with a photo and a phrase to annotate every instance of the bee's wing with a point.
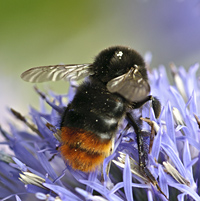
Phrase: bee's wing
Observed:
(57, 72)
(131, 86)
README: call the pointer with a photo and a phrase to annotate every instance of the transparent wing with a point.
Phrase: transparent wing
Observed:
(57, 72)
(131, 86)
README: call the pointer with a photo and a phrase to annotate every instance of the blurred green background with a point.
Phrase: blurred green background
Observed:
(36, 33)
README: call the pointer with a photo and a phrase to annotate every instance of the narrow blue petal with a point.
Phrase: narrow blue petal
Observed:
(191, 125)
(170, 122)
(11, 197)
(88, 196)
(46, 165)
(193, 162)
(28, 137)
(105, 164)
(156, 145)
(175, 158)
(42, 105)
(117, 187)
(21, 165)
(149, 195)
(193, 103)
(102, 190)
(187, 161)
(92, 177)
(9, 177)
(34, 189)
(17, 198)
(130, 147)
(55, 119)
(9, 186)
(55, 107)
(134, 185)
(52, 104)
(41, 196)
(47, 134)
(127, 179)
(186, 189)
(163, 73)
(163, 181)
(159, 84)
(148, 58)
(178, 101)
(26, 157)
(191, 81)
(118, 141)
(167, 140)
(181, 197)
(191, 141)
(62, 192)
(58, 97)
(82, 192)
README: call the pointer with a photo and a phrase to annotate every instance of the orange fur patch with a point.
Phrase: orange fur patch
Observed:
(82, 149)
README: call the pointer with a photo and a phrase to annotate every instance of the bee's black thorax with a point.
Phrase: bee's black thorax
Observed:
(95, 109)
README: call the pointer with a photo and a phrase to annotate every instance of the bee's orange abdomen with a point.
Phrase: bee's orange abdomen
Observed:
(83, 150)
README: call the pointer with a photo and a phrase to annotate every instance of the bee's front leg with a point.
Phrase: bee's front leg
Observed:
(156, 105)
(142, 151)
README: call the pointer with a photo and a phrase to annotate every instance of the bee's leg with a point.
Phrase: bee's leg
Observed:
(112, 147)
(109, 164)
(52, 157)
(155, 104)
(153, 180)
(111, 151)
(152, 134)
(143, 154)
(137, 125)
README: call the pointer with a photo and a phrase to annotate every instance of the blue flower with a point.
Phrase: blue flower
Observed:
(35, 169)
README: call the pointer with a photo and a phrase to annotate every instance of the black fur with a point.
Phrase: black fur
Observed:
(95, 109)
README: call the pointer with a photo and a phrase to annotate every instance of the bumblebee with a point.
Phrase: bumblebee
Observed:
(116, 84)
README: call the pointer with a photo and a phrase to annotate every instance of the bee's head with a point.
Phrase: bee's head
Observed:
(115, 61)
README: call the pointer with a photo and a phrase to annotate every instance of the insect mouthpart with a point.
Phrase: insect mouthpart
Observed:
(135, 68)
(132, 72)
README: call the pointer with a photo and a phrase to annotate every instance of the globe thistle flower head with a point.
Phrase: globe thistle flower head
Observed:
(35, 169)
